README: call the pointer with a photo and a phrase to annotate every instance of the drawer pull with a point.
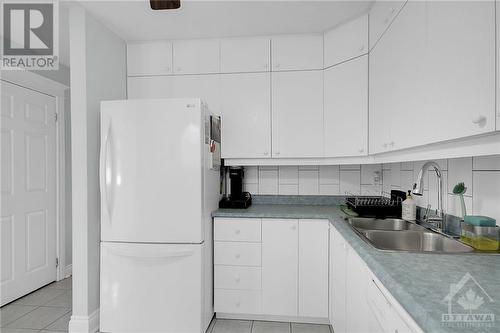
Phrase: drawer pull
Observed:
(237, 278)
(238, 304)
(237, 256)
(237, 231)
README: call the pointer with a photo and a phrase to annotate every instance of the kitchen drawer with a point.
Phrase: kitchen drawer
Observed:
(237, 230)
(237, 301)
(237, 277)
(237, 254)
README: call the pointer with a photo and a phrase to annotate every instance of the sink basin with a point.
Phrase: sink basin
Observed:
(413, 241)
(384, 224)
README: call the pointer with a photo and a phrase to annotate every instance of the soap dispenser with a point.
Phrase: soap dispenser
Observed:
(409, 208)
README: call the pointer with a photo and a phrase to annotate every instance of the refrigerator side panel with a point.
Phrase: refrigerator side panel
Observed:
(151, 171)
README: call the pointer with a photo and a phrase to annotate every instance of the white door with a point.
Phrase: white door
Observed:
(149, 58)
(313, 268)
(151, 288)
(346, 108)
(151, 171)
(246, 115)
(279, 267)
(28, 221)
(297, 52)
(196, 56)
(297, 104)
(251, 54)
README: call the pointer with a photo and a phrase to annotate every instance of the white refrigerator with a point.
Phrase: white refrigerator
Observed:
(159, 185)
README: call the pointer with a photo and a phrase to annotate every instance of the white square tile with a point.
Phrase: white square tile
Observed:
(486, 194)
(268, 181)
(455, 207)
(407, 180)
(371, 174)
(270, 327)
(329, 174)
(309, 328)
(40, 297)
(386, 181)
(395, 175)
(60, 324)
(308, 182)
(251, 175)
(460, 170)
(350, 167)
(491, 162)
(288, 175)
(251, 188)
(433, 189)
(329, 189)
(371, 190)
(407, 166)
(11, 312)
(39, 318)
(288, 189)
(232, 326)
(64, 300)
(350, 182)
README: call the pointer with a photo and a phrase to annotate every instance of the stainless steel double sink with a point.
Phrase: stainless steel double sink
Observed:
(397, 235)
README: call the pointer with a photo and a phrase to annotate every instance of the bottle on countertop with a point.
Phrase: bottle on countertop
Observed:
(409, 208)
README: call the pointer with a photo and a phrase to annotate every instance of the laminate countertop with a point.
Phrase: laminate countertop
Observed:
(419, 282)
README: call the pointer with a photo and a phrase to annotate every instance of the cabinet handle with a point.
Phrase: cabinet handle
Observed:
(237, 279)
(167, 69)
(238, 304)
(385, 145)
(266, 153)
(237, 256)
(293, 227)
(237, 231)
(391, 143)
(178, 69)
(479, 119)
(361, 150)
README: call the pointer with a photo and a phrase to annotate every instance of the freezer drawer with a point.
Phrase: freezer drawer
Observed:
(151, 288)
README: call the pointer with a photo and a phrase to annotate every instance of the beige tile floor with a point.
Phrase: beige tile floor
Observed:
(48, 310)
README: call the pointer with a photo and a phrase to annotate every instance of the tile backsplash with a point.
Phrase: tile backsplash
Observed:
(481, 176)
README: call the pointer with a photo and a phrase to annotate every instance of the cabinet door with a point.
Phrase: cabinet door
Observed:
(347, 41)
(279, 267)
(397, 80)
(246, 115)
(297, 114)
(150, 87)
(338, 282)
(297, 52)
(460, 77)
(382, 14)
(313, 268)
(497, 5)
(239, 55)
(196, 56)
(346, 108)
(151, 58)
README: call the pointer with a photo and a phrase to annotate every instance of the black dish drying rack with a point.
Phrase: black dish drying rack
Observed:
(377, 206)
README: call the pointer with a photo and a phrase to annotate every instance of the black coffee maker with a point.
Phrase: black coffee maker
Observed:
(237, 198)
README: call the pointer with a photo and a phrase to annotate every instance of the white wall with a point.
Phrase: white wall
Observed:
(98, 72)
(481, 176)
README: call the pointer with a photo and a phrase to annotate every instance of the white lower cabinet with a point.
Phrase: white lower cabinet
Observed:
(358, 301)
(290, 281)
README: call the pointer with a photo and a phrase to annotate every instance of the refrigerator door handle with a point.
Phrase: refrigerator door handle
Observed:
(138, 256)
(105, 171)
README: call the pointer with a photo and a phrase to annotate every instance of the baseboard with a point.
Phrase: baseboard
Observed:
(308, 320)
(84, 324)
(68, 271)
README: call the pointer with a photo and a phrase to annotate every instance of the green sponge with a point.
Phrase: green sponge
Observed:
(481, 221)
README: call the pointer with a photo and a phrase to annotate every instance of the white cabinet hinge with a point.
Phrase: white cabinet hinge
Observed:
(57, 262)
(55, 116)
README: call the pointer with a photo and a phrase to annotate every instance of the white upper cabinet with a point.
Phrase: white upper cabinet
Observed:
(246, 115)
(313, 268)
(382, 14)
(498, 62)
(297, 52)
(239, 55)
(346, 41)
(196, 56)
(346, 108)
(149, 58)
(297, 104)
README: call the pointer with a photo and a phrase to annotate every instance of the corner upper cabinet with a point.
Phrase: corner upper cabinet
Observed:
(149, 58)
(242, 55)
(497, 5)
(196, 56)
(297, 104)
(346, 108)
(381, 15)
(346, 41)
(246, 115)
(297, 52)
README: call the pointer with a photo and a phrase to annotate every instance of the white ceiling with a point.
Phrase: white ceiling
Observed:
(133, 20)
